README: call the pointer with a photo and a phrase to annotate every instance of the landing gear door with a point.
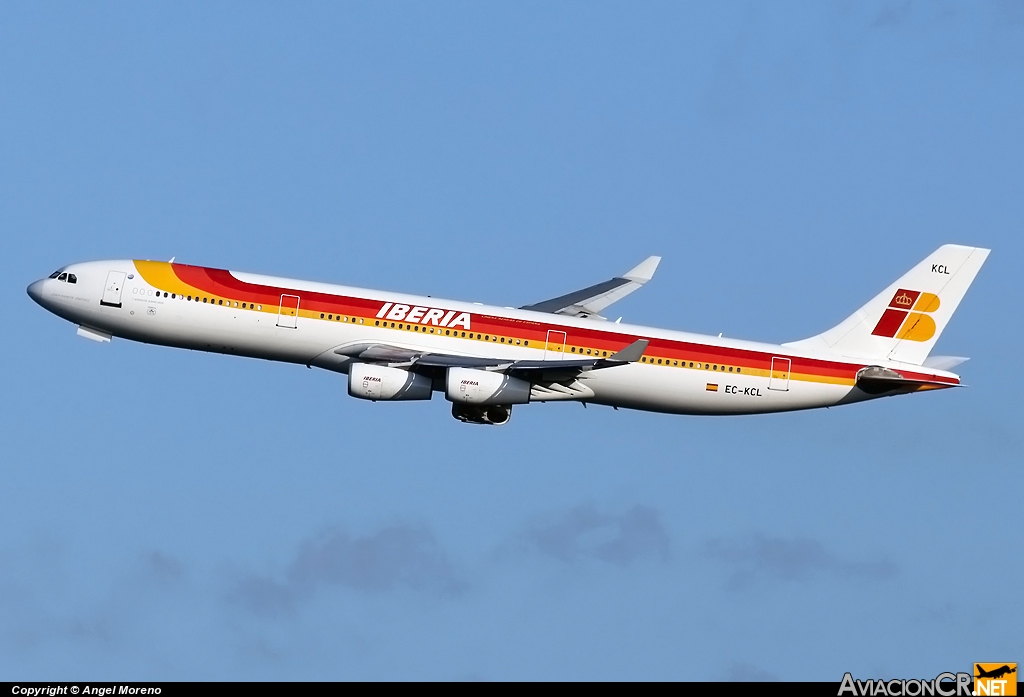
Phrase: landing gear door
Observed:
(112, 291)
(288, 312)
(779, 379)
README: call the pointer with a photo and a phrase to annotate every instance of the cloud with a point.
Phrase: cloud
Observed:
(162, 568)
(584, 532)
(745, 672)
(892, 15)
(396, 556)
(788, 560)
(265, 596)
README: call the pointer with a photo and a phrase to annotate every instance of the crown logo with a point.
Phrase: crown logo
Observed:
(903, 300)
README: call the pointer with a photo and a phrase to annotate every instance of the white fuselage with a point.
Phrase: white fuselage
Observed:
(290, 320)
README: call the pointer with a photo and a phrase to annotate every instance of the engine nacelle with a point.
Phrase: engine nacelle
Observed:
(367, 381)
(483, 388)
(496, 414)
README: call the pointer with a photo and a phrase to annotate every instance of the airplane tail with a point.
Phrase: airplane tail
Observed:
(903, 322)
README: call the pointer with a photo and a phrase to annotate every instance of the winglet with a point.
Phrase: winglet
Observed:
(630, 354)
(644, 271)
(590, 301)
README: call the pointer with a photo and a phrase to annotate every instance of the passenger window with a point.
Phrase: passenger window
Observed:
(72, 278)
(62, 277)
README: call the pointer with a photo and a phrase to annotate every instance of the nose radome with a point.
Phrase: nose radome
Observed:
(35, 291)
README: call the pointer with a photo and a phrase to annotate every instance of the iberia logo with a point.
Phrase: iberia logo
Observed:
(995, 679)
(909, 316)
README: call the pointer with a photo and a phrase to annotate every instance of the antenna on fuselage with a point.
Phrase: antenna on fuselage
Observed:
(171, 261)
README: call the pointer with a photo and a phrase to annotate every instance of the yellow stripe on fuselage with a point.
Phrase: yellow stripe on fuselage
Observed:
(160, 274)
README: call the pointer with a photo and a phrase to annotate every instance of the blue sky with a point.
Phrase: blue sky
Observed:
(166, 514)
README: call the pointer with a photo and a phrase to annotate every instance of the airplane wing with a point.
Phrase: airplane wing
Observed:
(590, 301)
(531, 370)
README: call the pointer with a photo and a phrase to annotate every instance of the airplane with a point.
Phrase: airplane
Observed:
(487, 359)
(996, 673)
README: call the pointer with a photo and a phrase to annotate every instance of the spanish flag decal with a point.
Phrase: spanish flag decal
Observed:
(712, 387)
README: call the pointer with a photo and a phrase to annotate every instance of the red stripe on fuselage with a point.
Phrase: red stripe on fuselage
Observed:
(221, 282)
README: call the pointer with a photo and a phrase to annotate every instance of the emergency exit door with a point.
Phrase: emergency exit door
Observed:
(554, 346)
(288, 312)
(779, 379)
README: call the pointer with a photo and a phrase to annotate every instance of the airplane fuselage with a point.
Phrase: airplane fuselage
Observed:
(330, 326)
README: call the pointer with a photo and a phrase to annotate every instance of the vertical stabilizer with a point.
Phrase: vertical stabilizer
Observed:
(903, 322)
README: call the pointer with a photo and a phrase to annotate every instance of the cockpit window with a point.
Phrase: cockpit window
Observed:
(72, 278)
(55, 274)
(62, 277)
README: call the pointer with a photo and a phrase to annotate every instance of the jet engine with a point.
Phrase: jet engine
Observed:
(485, 388)
(368, 381)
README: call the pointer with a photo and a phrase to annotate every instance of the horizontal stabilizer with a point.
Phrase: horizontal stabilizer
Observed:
(943, 362)
(875, 379)
(590, 301)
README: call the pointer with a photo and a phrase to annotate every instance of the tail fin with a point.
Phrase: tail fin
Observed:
(903, 322)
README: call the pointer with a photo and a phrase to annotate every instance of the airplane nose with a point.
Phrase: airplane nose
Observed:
(35, 291)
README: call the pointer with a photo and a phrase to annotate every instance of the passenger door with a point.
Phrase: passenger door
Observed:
(112, 291)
